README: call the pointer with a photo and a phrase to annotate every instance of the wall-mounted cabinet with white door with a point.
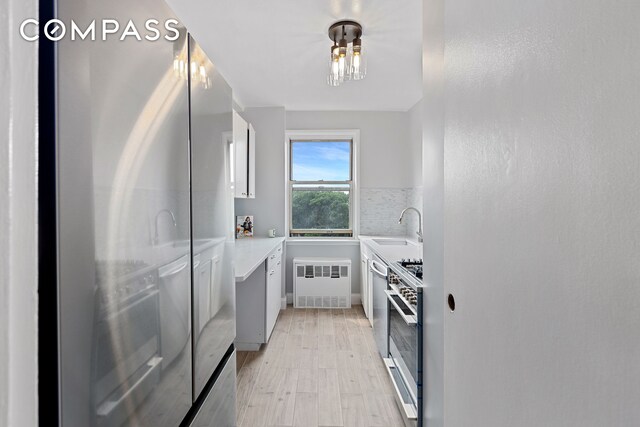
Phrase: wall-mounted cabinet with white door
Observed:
(244, 149)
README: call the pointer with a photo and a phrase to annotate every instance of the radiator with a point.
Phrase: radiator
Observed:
(322, 283)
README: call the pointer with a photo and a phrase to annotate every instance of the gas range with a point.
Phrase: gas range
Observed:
(405, 293)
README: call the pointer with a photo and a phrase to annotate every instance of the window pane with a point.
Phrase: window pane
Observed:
(320, 209)
(321, 161)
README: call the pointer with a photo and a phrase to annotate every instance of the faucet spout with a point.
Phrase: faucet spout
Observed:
(419, 232)
(156, 238)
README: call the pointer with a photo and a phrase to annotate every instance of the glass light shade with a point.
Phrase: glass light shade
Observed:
(342, 67)
(357, 63)
(334, 78)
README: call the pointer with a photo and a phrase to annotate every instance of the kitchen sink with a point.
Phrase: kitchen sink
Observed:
(391, 242)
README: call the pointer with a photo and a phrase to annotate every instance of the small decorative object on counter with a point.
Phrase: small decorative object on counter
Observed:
(244, 226)
(271, 232)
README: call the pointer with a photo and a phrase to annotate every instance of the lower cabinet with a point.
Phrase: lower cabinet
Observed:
(258, 302)
(365, 283)
(274, 290)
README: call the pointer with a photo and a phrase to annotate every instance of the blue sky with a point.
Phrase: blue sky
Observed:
(314, 161)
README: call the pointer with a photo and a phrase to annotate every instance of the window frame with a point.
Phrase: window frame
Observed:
(297, 136)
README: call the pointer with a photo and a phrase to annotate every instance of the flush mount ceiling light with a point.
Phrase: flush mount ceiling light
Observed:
(347, 61)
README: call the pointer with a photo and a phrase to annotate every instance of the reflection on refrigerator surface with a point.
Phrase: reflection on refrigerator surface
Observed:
(127, 361)
(142, 353)
(146, 287)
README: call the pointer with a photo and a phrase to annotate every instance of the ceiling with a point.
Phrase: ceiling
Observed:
(275, 53)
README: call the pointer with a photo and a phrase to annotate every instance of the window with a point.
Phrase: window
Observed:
(321, 188)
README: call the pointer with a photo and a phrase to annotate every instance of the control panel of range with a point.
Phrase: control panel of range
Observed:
(413, 266)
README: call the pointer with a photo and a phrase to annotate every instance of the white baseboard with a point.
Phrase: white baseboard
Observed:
(283, 303)
(355, 299)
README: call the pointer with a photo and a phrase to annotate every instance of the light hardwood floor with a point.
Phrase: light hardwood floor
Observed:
(320, 368)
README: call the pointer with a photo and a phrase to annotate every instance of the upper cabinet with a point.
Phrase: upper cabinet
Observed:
(251, 173)
(244, 138)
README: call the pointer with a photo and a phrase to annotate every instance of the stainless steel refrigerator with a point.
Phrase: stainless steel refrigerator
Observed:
(145, 245)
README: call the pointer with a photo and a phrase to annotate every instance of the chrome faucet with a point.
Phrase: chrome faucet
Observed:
(419, 232)
(156, 238)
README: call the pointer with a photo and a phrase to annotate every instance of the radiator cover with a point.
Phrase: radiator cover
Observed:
(322, 282)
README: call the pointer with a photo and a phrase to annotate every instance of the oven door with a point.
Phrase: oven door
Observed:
(403, 341)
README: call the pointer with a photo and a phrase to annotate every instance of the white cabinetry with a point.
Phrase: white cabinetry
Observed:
(251, 172)
(274, 288)
(366, 280)
(258, 302)
(244, 138)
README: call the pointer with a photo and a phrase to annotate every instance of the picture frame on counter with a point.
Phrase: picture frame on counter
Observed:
(244, 226)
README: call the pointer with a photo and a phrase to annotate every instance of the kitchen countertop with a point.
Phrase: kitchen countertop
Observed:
(251, 252)
(392, 253)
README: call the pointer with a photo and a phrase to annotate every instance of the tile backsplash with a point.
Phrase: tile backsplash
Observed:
(380, 209)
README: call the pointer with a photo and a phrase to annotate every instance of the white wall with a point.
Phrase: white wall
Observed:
(18, 262)
(415, 143)
(416, 192)
(541, 219)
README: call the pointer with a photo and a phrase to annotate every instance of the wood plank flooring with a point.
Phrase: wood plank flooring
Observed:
(320, 368)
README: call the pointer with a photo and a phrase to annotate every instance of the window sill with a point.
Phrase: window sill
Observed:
(302, 241)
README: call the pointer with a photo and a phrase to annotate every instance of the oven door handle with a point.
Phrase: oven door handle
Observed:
(409, 320)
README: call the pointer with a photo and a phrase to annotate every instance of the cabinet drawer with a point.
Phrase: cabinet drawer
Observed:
(274, 259)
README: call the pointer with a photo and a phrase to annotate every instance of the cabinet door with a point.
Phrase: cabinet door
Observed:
(363, 284)
(274, 285)
(251, 172)
(277, 300)
(241, 153)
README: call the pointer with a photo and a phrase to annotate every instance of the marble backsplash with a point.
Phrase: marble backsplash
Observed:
(380, 209)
